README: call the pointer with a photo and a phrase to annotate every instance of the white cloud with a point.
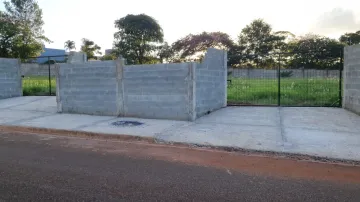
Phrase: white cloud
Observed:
(336, 21)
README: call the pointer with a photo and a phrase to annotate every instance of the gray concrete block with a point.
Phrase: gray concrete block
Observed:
(351, 84)
(10, 78)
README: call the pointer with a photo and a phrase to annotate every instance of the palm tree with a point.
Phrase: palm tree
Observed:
(69, 45)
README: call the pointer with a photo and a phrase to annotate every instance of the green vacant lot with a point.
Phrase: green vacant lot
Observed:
(38, 86)
(294, 92)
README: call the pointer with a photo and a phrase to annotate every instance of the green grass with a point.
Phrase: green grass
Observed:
(38, 86)
(294, 92)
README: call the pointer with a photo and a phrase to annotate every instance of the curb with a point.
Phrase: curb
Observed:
(74, 133)
(151, 140)
(263, 153)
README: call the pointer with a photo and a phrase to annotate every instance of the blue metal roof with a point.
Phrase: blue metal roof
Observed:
(51, 52)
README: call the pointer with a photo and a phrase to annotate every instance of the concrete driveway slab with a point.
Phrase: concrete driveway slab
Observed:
(12, 102)
(325, 119)
(149, 127)
(329, 144)
(262, 116)
(248, 137)
(323, 132)
(64, 121)
(10, 116)
(47, 104)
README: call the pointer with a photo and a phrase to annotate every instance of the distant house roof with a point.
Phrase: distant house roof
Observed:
(51, 52)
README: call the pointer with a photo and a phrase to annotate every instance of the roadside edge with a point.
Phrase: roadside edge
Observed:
(152, 140)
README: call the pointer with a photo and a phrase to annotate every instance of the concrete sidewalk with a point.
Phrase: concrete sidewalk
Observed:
(322, 132)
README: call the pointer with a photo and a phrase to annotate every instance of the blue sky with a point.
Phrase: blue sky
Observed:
(94, 19)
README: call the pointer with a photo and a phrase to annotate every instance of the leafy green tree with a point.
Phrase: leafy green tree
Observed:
(314, 52)
(90, 48)
(350, 38)
(26, 17)
(259, 42)
(8, 33)
(258, 38)
(193, 47)
(236, 56)
(108, 57)
(69, 45)
(165, 52)
(137, 38)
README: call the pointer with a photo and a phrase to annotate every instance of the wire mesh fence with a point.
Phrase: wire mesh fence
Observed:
(287, 79)
(38, 75)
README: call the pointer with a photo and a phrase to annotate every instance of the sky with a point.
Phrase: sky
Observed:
(94, 19)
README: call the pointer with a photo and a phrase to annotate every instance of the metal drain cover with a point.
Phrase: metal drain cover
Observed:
(126, 123)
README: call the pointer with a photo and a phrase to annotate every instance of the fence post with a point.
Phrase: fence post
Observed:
(279, 84)
(340, 77)
(49, 76)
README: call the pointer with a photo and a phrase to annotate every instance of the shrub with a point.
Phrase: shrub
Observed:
(286, 74)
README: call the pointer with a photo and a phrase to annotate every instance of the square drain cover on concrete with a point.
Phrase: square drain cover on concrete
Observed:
(126, 123)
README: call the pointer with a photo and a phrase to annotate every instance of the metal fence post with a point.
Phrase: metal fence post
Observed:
(340, 77)
(279, 84)
(49, 76)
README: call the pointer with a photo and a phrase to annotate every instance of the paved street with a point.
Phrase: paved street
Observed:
(51, 168)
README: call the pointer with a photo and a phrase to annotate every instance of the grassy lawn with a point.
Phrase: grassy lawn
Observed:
(38, 86)
(294, 92)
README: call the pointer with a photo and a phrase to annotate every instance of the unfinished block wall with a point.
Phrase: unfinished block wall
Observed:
(211, 82)
(87, 88)
(351, 97)
(182, 91)
(10, 78)
(159, 91)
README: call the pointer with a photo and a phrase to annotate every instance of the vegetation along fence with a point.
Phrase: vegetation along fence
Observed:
(38, 75)
(287, 79)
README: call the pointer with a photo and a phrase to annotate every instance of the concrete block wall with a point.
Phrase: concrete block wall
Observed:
(10, 78)
(161, 91)
(77, 57)
(211, 82)
(182, 91)
(351, 97)
(87, 88)
(34, 69)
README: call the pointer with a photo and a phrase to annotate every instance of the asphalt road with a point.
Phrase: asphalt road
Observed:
(49, 168)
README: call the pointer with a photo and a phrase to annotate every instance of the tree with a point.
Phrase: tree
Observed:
(314, 52)
(165, 52)
(350, 38)
(8, 33)
(137, 38)
(259, 41)
(90, 48)
(26, 16)
(258, 38)
(108, 57)
(192, 47)
(69, 45)
(236, 56)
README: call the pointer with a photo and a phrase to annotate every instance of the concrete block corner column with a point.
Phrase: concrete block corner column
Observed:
(120, 64)
(211, 82)
(58, 83)
(192, 91)
(351, 95)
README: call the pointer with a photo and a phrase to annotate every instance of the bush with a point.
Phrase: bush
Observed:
(286, 74)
